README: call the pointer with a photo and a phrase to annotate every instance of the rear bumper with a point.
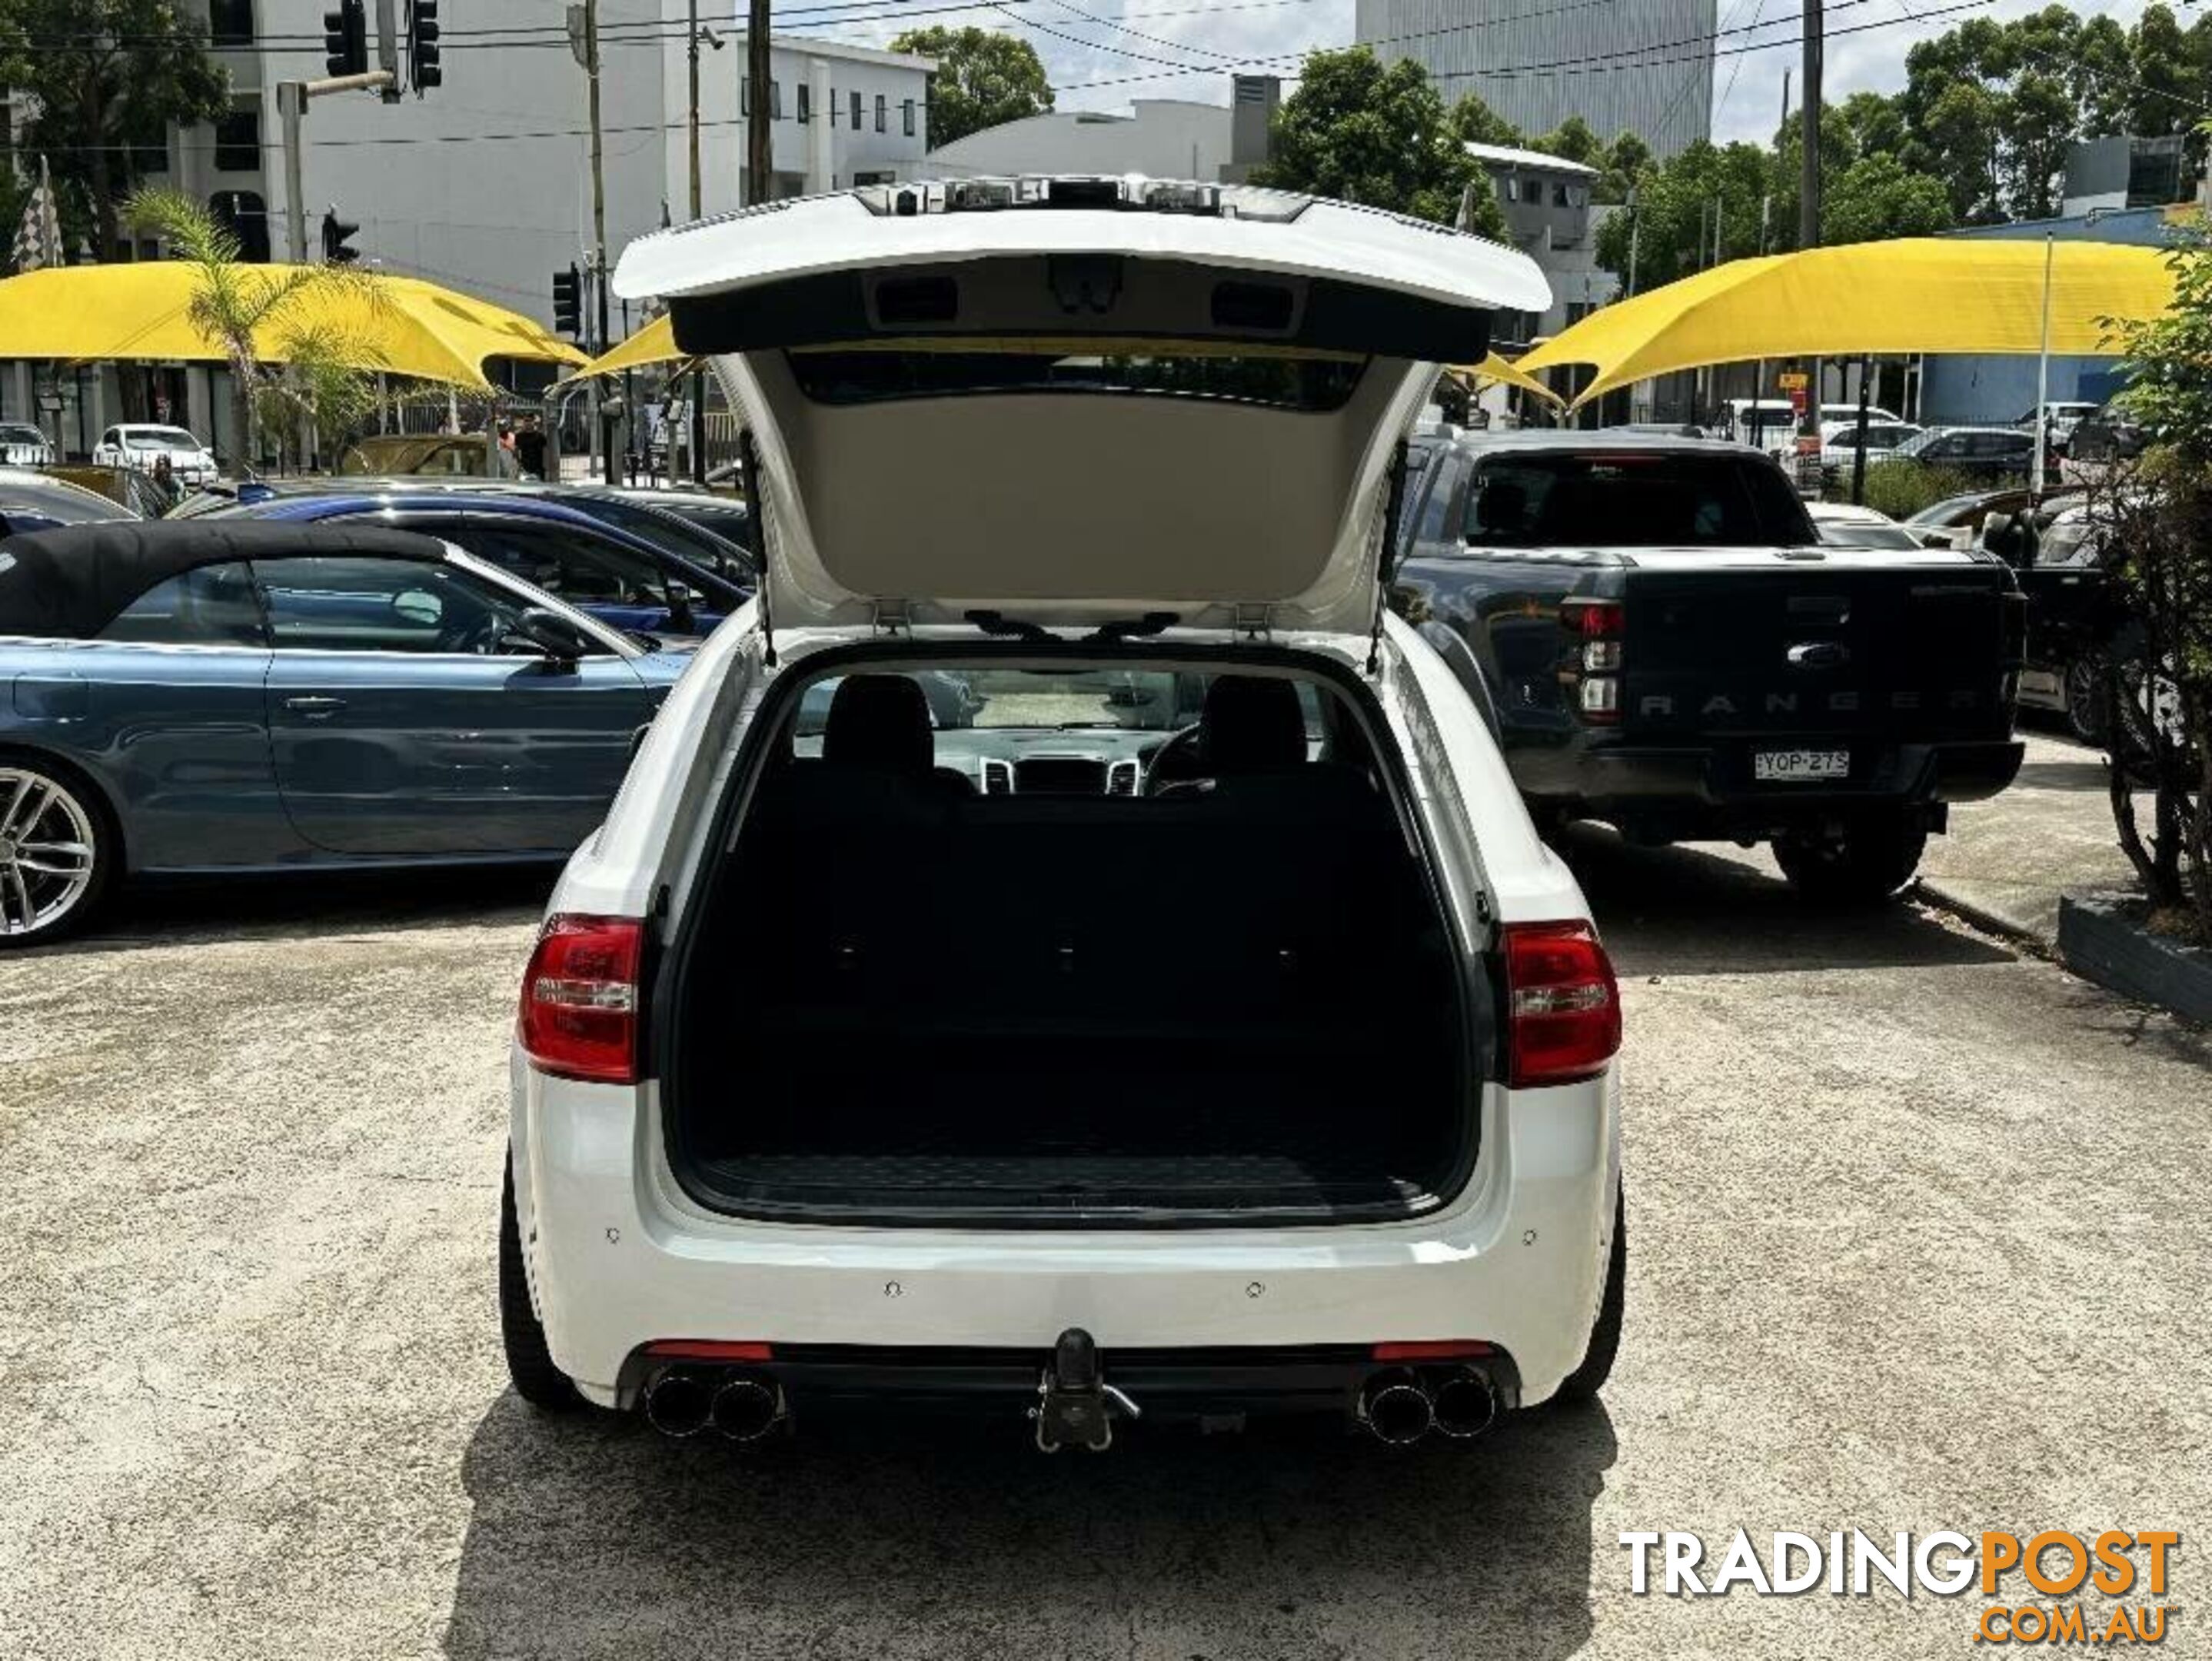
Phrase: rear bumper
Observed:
(1709, 788)
(619, 1259)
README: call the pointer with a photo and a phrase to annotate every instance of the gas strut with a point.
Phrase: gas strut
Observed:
(1075, 1404)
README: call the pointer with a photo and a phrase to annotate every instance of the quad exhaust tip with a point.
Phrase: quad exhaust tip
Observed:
(1395, 1407)
(681, 1401)
(1400, 1406)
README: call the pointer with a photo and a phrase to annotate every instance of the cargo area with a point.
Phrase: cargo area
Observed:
(940, 976)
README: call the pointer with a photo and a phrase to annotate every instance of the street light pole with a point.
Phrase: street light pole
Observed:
(1809, 194)
(758, 162)
(605, 427)
(2043, 373)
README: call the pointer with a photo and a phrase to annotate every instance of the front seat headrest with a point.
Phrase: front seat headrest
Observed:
(880, 722)
(1253, 723)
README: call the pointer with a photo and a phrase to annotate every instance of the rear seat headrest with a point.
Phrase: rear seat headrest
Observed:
(1252, 723)
(880, 722)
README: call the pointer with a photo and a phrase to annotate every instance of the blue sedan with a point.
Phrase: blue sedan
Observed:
(224, 696)
(616, 575)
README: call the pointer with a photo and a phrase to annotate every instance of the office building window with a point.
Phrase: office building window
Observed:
(806, 102)
(230, 22)
(775, 101)
(906, 114)
(237, 141)
(856, 112)
(1532, 191)
(882, 113)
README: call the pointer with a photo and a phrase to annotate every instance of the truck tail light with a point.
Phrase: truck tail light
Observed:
(1597, 626)
(580, 999)
(1563, 1004)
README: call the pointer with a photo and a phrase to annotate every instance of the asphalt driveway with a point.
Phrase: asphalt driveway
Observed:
(1920, 1240)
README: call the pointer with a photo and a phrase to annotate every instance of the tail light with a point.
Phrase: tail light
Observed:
(1594, 674)
(1433, 1349)
(1563, 1006)
(580, 999)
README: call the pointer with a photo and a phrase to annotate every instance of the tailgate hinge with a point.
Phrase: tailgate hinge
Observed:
(892, 617)
(1252, 619)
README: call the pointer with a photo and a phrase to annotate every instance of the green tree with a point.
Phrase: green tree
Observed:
(104, 78)
(984, 78)
(1677, 204)
(1473, 122)
(2155, 520)
(2168, 91)
(1876, 197)
(324, 373)
(1572, 141)
(1361, 132)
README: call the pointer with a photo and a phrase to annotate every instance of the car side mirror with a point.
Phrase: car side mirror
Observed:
(549, 633)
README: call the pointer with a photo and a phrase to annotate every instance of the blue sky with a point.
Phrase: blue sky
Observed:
(1096, 66)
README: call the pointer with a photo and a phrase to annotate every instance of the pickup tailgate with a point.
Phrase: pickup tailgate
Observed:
(1905, 648)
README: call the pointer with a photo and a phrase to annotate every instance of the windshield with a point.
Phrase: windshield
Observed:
(51, 499)
(1865, 533)
(16, 432)
(1054, 700)
(664, 530)
(1654, 499)
(160, 438)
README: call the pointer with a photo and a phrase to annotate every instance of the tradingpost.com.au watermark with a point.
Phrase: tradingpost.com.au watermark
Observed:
(2052, 1587)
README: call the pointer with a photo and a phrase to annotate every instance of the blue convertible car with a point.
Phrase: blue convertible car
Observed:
(617, 574)
(232, 696)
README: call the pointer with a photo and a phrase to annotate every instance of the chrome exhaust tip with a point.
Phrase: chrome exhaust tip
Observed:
(679, 1403)
(1395, 1407)
(746, 1409)
(1464, 1404)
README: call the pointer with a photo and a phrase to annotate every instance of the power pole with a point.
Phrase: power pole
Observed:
(698, 399)
(1808, 196)
(604, 425)
(759, 166)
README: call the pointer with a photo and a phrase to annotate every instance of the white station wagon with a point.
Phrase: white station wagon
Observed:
(1068, 952)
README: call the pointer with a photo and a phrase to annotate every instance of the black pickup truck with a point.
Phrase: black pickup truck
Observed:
(1660, 642)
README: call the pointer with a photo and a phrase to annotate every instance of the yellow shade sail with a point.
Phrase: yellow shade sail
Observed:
(1507, 373)
(654, 343)
(1915, 295)
(92, 313)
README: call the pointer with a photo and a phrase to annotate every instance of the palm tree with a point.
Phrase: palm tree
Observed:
(323, 372)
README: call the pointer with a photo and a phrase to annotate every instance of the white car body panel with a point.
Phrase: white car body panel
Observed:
(620, 1255)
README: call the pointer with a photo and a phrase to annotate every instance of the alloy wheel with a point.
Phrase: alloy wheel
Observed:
(49, 852)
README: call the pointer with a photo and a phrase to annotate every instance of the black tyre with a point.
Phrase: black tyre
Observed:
(2081, 685)
(1584, 1383)
(58, 849)
(1869, 862)
(529, 1363)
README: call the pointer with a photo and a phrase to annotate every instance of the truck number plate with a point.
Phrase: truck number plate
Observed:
(1797, 766)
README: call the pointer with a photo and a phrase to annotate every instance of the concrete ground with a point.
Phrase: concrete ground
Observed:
(2006, 860)
(1920, 1241)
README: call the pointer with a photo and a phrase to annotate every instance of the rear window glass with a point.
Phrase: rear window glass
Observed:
(1293, 382)
(1630, 500)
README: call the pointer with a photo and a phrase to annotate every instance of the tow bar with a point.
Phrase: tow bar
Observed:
(1075, 1404)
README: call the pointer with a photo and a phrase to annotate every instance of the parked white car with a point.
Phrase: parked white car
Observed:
(137, 446)
(1202, 1031)
(22, 444)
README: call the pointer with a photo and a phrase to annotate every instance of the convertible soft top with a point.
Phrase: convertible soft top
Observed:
(70, 583)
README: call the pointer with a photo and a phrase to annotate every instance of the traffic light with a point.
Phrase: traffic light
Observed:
(422, 71)
(346, 38)
(335, 233)
(568, 303)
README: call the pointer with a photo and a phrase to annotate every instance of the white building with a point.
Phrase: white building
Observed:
(484, 184)
(1164, 138)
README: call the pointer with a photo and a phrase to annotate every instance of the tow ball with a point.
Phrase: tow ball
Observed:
(1075, 1404)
